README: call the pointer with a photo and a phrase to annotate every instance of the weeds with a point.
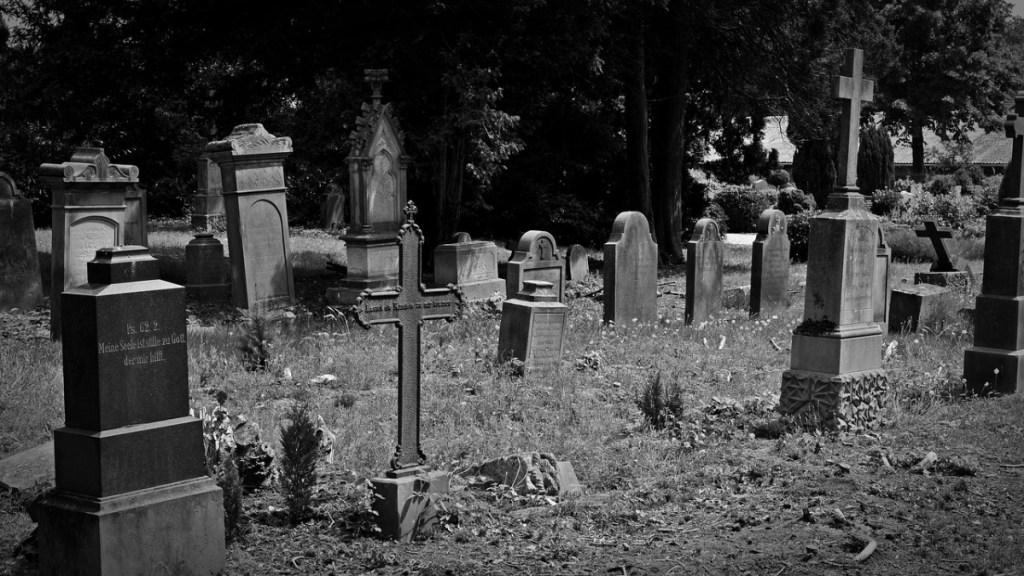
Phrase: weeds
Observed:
(300, 449)
(254, 341)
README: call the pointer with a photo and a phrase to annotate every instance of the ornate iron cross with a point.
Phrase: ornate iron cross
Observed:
(854, 89)
(936, 234)
(408, 305)
(1015, 172)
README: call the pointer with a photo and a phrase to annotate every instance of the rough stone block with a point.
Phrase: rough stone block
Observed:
(849, 402)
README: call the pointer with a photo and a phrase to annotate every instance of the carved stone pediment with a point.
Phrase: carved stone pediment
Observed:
(90, 165)
(248, 139)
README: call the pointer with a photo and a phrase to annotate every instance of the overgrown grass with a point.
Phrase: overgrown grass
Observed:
(31, 392)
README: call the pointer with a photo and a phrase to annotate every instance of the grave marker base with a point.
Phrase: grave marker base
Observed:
(173, 529)
(848, 402)
(980, 365)
(405, 506)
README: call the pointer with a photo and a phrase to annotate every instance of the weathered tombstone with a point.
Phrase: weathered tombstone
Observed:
(132, 494)
(704, 254)
(996, 361)
(882, 293)
(944, 271)
(404, 504)
(533, 326)
(377, 165)
(835, 378)
(332, 210)
(88, 214)
(577, 263)
(208, 204)
(206, 272)
(20, 282)
(762, 185)
(630, 271)
(470, 265)
(769, 272)
(536, 258)
(251, 161)
(914, 303)
(136, 229)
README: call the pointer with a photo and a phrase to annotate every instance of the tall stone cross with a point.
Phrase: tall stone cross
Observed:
(376, 78)
(854, 89)
(1014, 195)
(408, 305)
(936, 234)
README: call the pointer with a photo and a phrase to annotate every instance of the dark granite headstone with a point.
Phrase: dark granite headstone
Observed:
(20, 282)
(536, 258)
(769, 272)
(129, 462)
(401, 509)
(630, 271)
(704, 255)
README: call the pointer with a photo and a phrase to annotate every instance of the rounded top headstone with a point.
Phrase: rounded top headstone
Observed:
(771, 221)
(706, 230)
(461, 238)
(8, 189)
(631, 223)
(538, 245)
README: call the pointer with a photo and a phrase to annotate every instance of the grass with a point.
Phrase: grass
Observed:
(709, 471)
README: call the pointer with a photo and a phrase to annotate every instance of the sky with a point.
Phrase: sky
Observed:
(1018, 7)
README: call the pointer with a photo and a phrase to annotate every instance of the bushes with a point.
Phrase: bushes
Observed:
(875, 169)
(799, 230)
(300, 449)
(885, 202)
(742, 206)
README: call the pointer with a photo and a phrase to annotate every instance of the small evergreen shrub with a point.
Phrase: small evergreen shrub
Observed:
(254, 342)
(660, 404)
(793, 200)
(779, 178)
(300, 449)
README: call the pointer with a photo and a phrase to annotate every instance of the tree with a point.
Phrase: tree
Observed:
(875, 169)
(951, 75)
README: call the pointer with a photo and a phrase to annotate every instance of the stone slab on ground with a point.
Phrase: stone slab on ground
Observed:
(32, 467)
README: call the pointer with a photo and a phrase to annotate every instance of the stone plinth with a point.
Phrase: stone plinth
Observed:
(252, 174)
(769, 271)
(88, 203)
(470, 265)
(536, 257)
(704, 254)
(372, 265)
(406, 506)
(912, 304)
(20, 281)
(630, 271)
(208, 204)
(132, 495)
(533, 326)
(206, 269)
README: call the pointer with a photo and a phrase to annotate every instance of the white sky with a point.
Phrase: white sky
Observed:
(1018, 7)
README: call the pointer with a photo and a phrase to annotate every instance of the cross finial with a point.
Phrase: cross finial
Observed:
(854, 89)
(410, 211)
(376, 77)
(1015, 172)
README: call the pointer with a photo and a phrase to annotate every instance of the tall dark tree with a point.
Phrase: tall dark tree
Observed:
(875, 168)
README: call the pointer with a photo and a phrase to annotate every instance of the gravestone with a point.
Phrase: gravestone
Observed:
(996, 361)
(630, 271)
(404, 503)
(206, 270)
(136, 229)
(913, 304)
(20, 282)
(536, 258)
(132, 495)
(377, 165)
(944, 271)
(769, 272)
(251, 162)
(704, 254)
(835, 378)
(208, 204)
(533, 326)
(470, 265)
(577, 263)
(882, 293)
(88, 212)
(332, 210)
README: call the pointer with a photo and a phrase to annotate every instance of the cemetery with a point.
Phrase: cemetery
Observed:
(333, 332)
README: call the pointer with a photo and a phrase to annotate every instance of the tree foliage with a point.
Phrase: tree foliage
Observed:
(875, 169)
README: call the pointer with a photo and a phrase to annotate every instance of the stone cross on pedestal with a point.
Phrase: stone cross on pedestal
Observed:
(376, 77)
(408, 305)
(1011, 192)
(853, 89)
(936, 234)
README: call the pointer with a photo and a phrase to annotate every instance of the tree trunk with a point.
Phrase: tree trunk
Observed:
(638, 179)
(671, 137)
(449, 175)
(917, 149)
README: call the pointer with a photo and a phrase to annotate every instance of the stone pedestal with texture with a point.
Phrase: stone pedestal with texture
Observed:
(533, 326)
(132, 495)
(20, 281)
(88, 213)
(252, 173)
(406, 506)
(835, 380)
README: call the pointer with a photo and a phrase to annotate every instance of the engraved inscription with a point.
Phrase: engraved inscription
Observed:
(265, 251)
(859, 274)
(546, 333)
(480, 266)
(84, 239)
(142, 343)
